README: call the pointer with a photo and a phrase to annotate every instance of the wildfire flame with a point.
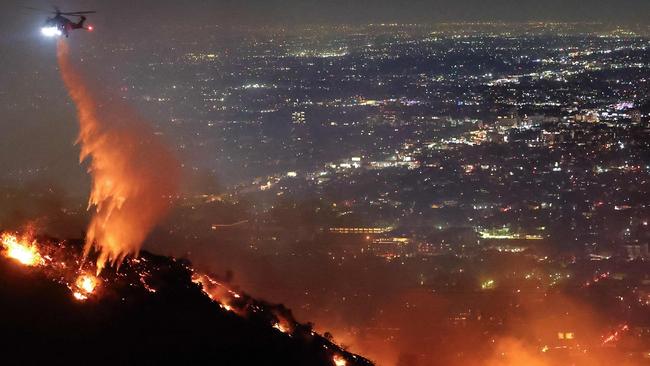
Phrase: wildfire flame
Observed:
(84, 286)
(87, 283)
(216, 291)
(22, 250)
(79, 296)
(281, 327)
(134, 176)
(339, 361)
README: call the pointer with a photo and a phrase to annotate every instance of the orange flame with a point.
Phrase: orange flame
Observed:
(339, 361)
(134, 176)
(84, 286)
(21, 250)
(87, 283)
(281, 327)
(216, 291)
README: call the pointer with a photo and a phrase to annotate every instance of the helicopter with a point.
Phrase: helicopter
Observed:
(60, 25)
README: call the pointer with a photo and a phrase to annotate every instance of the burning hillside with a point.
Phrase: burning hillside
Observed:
(153, 310)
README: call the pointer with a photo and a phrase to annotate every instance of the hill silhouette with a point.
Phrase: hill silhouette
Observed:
(131, 323)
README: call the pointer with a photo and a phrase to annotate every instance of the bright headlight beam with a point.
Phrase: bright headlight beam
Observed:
(51, 31)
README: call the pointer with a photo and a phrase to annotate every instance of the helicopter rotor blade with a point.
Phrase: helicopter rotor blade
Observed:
(58, 11)
(38, 10)
(78, 12)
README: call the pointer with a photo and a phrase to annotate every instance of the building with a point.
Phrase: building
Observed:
(298, 118)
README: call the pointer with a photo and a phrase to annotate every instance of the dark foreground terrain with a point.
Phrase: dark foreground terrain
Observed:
(128, 323)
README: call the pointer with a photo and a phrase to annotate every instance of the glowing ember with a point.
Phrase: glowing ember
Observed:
(87, 283)
(215, 290)
(84, 286)
(280, 327)
(616, 335)
(339, 361)
(79, 296)
(21, 250)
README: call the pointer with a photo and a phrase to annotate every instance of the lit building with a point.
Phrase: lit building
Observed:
(298, 118)
(360, 230)
(389, 247)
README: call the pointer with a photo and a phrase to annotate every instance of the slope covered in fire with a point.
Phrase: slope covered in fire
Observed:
(154, 310)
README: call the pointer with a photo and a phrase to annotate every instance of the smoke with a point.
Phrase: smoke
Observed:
(41, 206)
(510, 352)
(134, 176)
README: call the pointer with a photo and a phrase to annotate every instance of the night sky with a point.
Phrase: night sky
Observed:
(341, 11)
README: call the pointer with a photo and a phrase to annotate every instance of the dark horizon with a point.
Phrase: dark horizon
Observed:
(295, 12)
